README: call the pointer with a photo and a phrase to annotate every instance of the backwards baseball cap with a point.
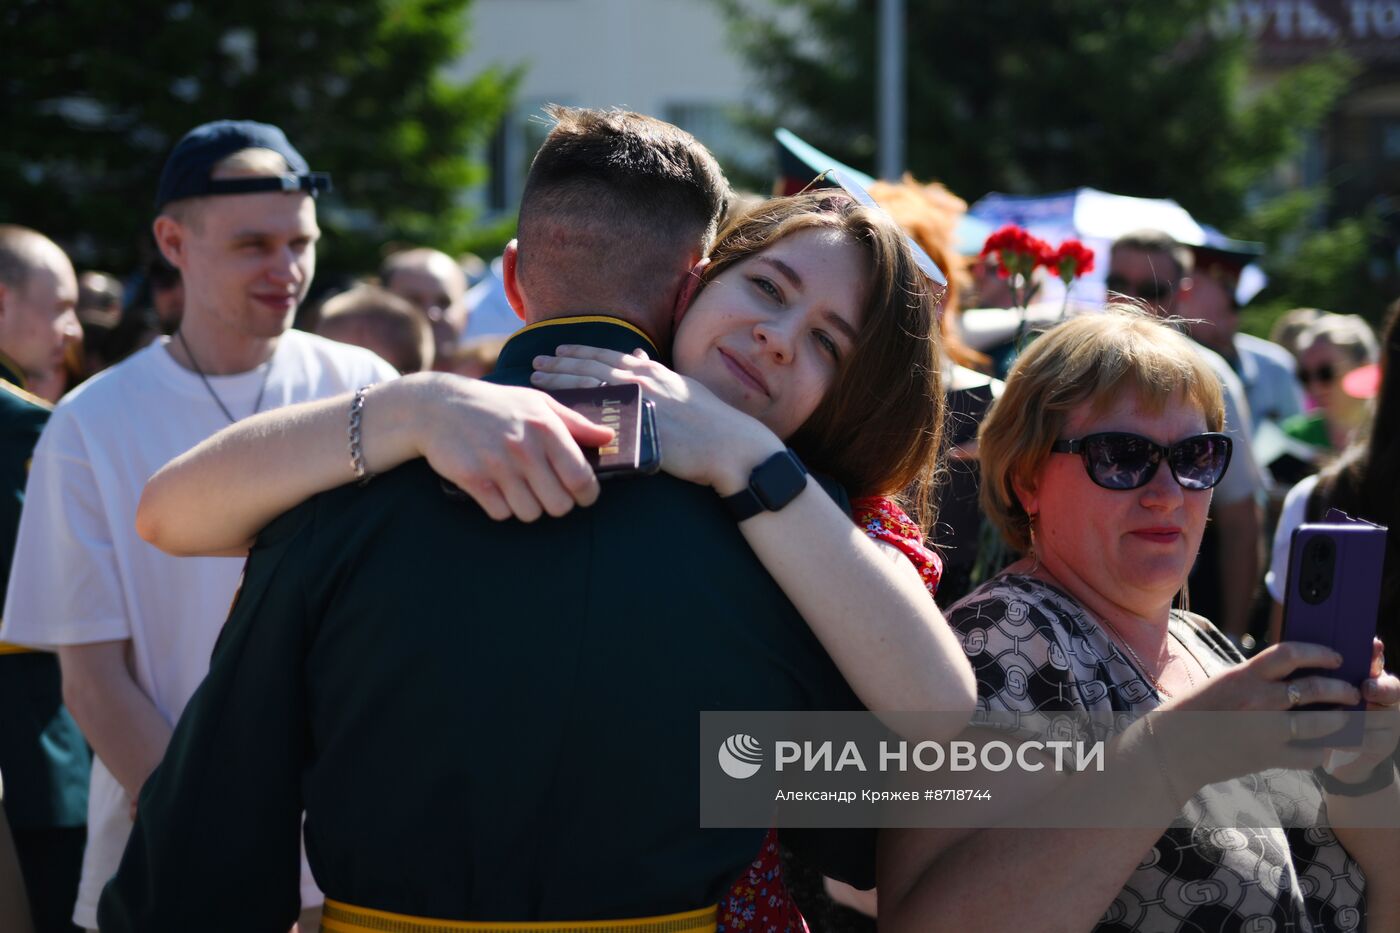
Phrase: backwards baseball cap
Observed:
(186, 172)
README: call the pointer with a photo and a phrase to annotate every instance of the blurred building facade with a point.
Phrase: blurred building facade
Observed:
(1356, 153)
(669, 58)
(675, 59)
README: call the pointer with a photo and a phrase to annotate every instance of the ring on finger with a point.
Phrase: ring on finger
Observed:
(1293, 728)
(1295, 696)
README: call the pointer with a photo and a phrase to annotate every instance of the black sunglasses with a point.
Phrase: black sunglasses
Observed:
(1324, 374)
(1148, 289)
(1117, 460)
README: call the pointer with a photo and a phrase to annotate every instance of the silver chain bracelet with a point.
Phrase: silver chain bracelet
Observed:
(357, 452)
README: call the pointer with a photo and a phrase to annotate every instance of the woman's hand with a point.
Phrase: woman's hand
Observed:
(1382, 722)
(1205, 749)
(1262, 683)
(703, 440)
(514, 450)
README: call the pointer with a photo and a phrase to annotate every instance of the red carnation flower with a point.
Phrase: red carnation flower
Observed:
(1017, 251)
(1070, 261)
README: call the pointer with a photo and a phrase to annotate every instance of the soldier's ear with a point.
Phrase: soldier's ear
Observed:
(510, 278)
(689, 289)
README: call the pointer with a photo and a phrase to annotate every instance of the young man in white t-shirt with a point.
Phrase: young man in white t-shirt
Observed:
(134, 627)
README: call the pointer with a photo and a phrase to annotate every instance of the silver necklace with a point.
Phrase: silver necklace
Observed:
(262, 387)
(1143, 667)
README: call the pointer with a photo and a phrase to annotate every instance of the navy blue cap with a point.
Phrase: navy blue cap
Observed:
(186, 172)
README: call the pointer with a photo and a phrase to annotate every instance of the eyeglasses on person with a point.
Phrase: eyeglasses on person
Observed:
(1147, 289)
(1118, 460)
(1323, 375)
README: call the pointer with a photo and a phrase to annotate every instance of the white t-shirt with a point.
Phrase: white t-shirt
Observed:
(81, 574)
(1295, 509)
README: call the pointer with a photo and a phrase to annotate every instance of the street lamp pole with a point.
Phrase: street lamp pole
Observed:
(890, 95)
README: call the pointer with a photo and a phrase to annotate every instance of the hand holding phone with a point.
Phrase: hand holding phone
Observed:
(1333, 599)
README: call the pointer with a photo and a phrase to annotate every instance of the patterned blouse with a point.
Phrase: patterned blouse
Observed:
(1033, 647)
(759, 902)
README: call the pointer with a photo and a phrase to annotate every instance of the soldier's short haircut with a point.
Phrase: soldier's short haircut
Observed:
(611, 199)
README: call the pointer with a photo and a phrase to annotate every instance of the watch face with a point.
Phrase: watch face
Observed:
(778, 480)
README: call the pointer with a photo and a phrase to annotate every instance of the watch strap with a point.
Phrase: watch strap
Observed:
(1381, 776)
(773, 484)
(743, 504)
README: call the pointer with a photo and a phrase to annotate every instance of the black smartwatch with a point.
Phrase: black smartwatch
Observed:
(773, 484)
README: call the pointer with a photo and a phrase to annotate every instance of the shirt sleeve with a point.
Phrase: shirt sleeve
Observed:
(1243, 479)
(64, 585)
(1019, 660)
(1295, 507)
(217, 838)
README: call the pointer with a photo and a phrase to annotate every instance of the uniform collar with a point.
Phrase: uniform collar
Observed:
(593, 330)
(11, 373)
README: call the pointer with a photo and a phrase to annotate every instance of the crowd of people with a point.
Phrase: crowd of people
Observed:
(333, 625)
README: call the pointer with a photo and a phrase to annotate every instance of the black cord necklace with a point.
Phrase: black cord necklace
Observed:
(257, 403)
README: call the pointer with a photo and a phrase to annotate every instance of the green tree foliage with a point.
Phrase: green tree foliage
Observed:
(1332, 268)
(97, 92)
(1030, 97)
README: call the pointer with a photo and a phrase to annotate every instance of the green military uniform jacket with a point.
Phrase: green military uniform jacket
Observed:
(43, 758)
(482, 720)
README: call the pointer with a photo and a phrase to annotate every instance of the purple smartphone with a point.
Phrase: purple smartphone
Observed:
(1333, 599)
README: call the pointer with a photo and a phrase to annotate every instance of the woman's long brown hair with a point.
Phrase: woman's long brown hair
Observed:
(1362, 482)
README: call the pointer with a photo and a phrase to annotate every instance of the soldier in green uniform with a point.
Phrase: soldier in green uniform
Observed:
(43, 757)
(517, 749)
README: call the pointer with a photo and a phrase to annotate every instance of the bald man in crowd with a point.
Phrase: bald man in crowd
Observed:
(43, 757)
(38, 301)
(436, 285)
